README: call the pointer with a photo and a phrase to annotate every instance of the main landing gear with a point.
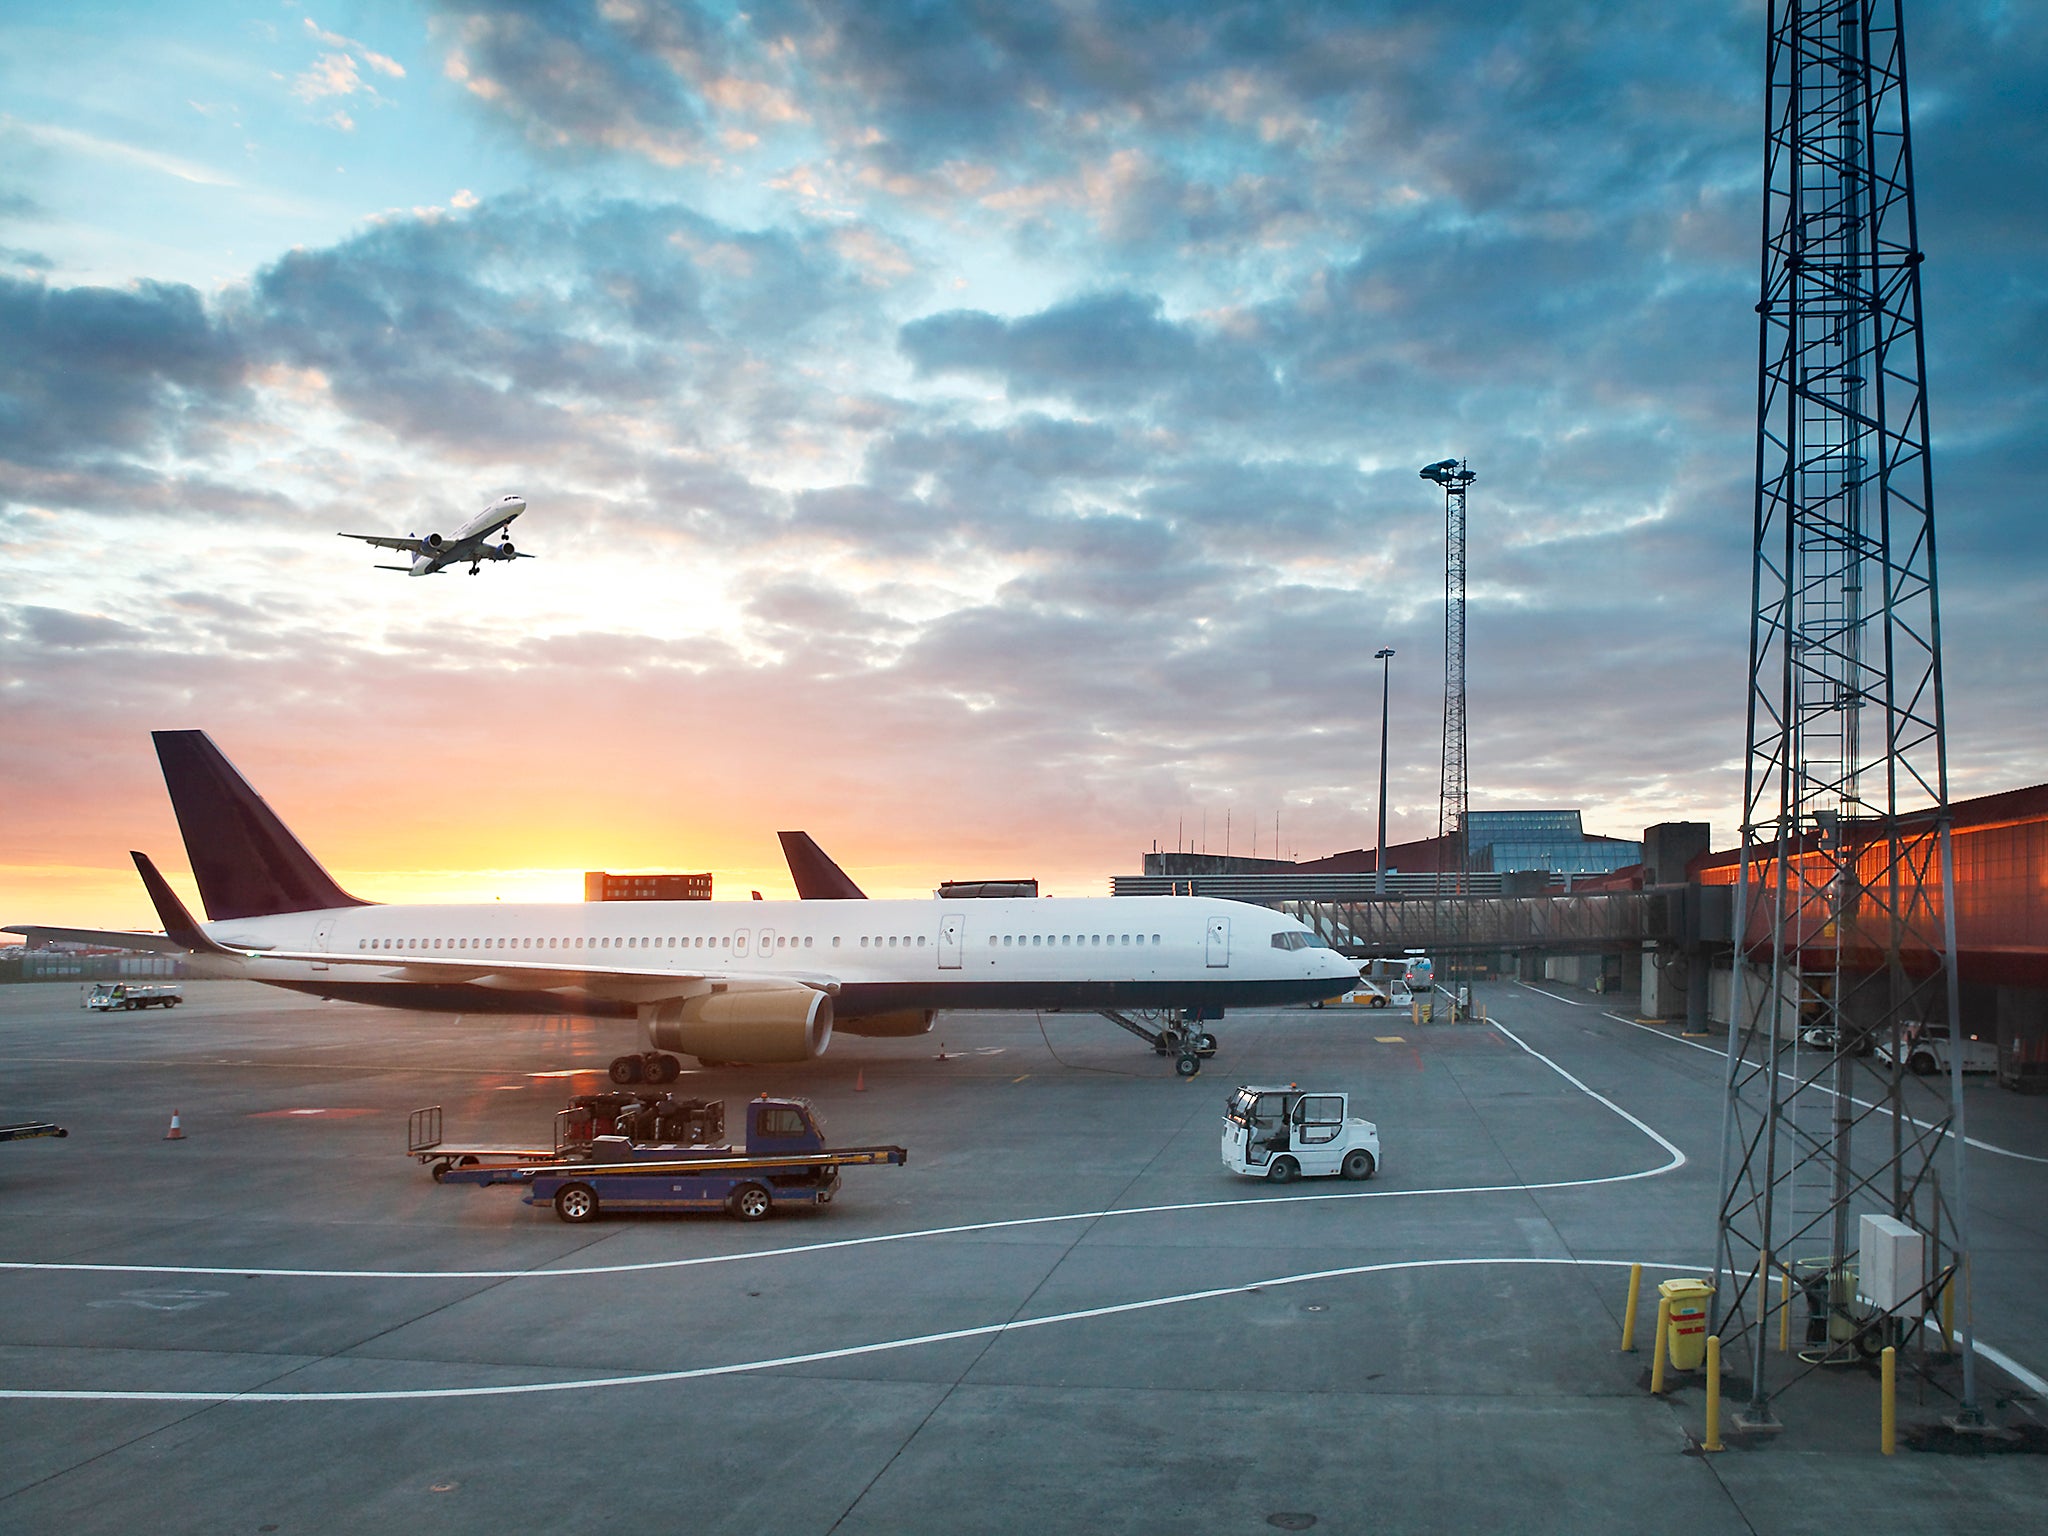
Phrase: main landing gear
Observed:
(648, 1067)
(1177, 1036)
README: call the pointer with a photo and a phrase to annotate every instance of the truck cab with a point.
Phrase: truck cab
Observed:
(1286, 1133)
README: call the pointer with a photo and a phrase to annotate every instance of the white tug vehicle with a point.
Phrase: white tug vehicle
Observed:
(1284, 1134)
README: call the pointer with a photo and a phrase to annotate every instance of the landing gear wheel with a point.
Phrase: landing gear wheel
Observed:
(627, 1069)
(654, 1066)
(1188, 1064)
(750, 1202)
(671, 1069)
(1285, 1170)
(1205, 1044)
(1358, 1164)
(576, 1203)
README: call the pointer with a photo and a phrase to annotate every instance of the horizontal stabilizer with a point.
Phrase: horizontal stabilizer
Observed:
(817, 877)
(99, 938)
(245, 859)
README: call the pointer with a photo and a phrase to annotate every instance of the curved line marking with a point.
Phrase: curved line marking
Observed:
(1676, 1160)
(852, 1351)
(1968, 1141)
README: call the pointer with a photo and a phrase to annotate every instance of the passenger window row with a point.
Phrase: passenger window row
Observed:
(573, 943)
(1092, 939)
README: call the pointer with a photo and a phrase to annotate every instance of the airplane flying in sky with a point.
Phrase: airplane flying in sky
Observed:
(468, 545)
(758, 981)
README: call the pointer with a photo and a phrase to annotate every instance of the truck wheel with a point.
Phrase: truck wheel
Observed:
(1378, 1001)
(1921, 1063)
(1317, 1003)
(1285, 1170)
(576, 1203)
(440, 1172)
(1358, 1164)
(750, 1202)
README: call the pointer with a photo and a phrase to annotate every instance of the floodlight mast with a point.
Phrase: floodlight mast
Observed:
(1452, 796)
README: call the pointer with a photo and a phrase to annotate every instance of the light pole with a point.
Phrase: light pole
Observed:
(1384, 656)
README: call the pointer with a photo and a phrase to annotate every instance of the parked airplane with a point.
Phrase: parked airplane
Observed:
(468, 545)
(722, 981)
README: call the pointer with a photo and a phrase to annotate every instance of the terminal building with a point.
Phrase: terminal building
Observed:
(1550, 845)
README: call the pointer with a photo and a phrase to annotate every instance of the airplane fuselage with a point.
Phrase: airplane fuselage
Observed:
(878, 956)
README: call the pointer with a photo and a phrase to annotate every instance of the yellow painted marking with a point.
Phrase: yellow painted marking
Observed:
(1020, 1078)
(1391, 1039)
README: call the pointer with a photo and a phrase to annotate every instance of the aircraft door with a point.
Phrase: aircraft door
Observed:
(764, 946)
(320, 937)
(739, 944)
(950, 930)
(1219, 941)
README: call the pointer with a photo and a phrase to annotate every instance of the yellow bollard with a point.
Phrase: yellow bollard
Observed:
(1888, 1432)
(1784, 1310)
(1948, 1313)
(1657, 1360)
(1713, 1440)
(1628, 1320)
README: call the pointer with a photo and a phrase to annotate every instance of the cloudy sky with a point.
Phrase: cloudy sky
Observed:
(984, 434)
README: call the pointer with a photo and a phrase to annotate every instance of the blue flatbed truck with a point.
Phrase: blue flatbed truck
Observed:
(783, 1160)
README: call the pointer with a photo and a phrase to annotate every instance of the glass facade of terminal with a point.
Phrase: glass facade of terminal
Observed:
(1554, 840)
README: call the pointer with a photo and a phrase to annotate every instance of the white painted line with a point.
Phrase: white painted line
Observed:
(1676, 1161)
(1677, 1157)
(1554, 997)
(1969, 1141)
(2011, 1367)
(591, 1383)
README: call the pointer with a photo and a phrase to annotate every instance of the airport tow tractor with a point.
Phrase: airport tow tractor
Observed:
(122, 996)
(623, 1152)
(1285, 1134)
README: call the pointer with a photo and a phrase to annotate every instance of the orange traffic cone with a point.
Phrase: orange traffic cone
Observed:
(860, 1081)
(176, 1132)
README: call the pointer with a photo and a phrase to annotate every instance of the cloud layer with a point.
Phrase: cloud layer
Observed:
(986, 436)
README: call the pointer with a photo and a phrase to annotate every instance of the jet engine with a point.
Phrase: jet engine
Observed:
(506, 551)
(433, 541)
(762, 1025)
(904, 1021)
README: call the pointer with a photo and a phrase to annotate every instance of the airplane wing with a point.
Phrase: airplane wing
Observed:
(387, 541)
(631, 984)
(105, 938)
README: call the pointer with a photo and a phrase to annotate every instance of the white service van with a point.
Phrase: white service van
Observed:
(1283, 1134)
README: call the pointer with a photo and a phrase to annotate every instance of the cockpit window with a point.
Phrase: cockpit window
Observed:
(1299, 940)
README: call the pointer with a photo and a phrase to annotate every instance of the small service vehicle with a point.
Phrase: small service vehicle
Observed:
(629, 1152)
(121, 996)
(1925, 1048)
(31, 1130)
(1284, 1134)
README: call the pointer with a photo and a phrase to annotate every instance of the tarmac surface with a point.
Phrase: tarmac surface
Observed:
(1063, 1315)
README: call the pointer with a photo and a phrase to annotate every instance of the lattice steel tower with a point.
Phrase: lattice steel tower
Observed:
(1455, 856)
(1844, 908)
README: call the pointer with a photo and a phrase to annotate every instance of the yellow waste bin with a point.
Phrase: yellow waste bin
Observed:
(1688, 1333)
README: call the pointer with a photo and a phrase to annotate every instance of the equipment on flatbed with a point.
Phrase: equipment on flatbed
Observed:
(121, 996)
(607, 1156)
(1283, 1134)
(30, 1130)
